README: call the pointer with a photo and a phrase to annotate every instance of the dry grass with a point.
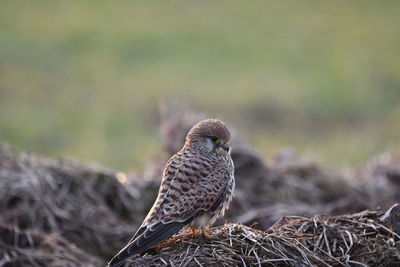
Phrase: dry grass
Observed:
(350, 240)
(26, 248)
(74, 214)
(84, 204)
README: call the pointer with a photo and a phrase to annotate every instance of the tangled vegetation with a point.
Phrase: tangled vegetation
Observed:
(59, 212)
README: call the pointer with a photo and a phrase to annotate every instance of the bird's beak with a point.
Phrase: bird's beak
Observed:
(225, 146)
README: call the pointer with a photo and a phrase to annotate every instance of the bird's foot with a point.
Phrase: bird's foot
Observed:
(204, 232)
(194, 231)
(199, 232)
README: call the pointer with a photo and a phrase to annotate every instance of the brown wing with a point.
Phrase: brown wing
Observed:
(195, 189)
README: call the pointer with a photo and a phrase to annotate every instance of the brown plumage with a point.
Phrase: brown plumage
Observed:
(197, 187)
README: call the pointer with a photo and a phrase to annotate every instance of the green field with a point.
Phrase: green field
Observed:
(84, 79)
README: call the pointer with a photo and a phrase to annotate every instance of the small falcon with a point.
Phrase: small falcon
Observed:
(196, 188)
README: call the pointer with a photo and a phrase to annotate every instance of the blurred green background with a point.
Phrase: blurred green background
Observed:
(84, 79)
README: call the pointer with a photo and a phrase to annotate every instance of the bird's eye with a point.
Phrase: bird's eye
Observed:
(214, 139)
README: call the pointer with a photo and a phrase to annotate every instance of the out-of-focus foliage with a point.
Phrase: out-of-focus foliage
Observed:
(85, 78)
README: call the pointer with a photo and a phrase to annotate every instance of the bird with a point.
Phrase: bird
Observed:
(196, 188)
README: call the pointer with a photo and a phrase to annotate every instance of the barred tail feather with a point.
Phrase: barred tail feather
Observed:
(147, 238)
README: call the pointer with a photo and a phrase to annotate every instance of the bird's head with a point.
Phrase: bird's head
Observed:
(210, 135)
